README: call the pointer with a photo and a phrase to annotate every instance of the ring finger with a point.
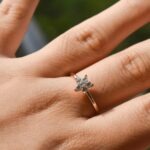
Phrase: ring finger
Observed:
(121, 76)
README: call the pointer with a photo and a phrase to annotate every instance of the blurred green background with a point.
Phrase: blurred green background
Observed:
(57, 16)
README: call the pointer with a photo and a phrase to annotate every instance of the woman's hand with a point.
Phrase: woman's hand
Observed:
(39, 109)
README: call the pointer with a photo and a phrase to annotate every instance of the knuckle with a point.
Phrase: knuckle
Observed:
(18, 12)
(134, 66)
(14, 11)
(91, 39)
(4, 9)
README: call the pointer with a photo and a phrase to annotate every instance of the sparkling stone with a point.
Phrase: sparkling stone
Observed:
(83, 84)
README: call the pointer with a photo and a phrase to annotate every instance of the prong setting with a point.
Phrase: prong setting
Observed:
(83, 84)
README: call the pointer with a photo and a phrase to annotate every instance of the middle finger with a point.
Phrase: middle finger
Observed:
(90, 41)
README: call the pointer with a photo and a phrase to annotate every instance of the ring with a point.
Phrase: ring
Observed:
(84, 85)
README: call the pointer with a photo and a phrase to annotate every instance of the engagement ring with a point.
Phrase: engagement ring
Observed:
(84, 85)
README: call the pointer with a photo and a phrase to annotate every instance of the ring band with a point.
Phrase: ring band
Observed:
(84, 85)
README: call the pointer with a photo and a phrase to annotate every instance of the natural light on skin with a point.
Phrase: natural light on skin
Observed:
(39, 109)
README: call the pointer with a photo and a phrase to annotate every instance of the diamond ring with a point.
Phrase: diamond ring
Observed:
(84, 85)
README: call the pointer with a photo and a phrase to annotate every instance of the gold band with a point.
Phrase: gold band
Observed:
(92, 101)
(84, 85)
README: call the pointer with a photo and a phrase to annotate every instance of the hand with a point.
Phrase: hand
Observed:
(39, 109)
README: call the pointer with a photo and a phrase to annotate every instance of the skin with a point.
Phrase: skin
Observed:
(39, 109)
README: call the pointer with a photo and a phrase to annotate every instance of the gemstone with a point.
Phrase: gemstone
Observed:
(83, 84)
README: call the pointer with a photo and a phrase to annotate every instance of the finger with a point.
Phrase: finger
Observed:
(121, 76)
(126, 126)
(15, 17)
(91, 40)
